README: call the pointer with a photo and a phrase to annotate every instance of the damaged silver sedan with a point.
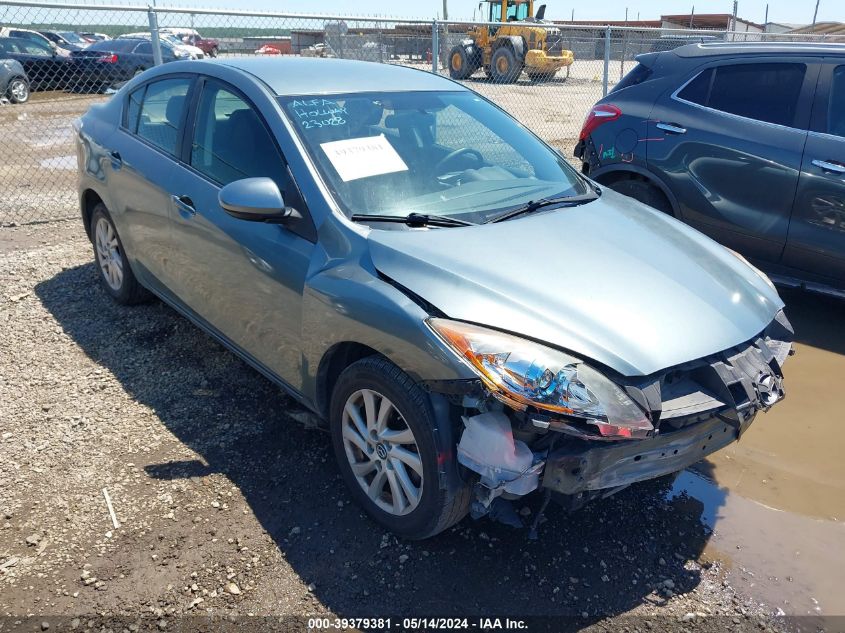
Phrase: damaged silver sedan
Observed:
(472, 319)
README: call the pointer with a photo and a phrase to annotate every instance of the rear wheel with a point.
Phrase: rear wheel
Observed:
(643, 191)
(114, 272)
(382, 428)
(213, 52)
(460, 64)
(504, 66)
(18, 90)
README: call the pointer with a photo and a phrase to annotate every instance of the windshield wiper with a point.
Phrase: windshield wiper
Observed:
(534, 205)
(412, 219)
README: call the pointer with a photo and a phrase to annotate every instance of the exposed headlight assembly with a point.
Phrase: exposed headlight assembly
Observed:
(525, 374)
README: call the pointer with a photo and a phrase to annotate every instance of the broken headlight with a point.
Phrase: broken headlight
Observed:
(525, 374)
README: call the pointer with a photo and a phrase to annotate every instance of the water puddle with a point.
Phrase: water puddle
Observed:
(776, 500)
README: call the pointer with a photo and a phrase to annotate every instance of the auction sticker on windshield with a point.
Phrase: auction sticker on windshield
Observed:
(357, 158)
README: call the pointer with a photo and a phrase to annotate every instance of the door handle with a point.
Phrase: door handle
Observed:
(671, 128)
(830, 166)
(116, 160)
(185, 206)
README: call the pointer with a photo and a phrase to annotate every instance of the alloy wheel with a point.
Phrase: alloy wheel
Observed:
(382, 452)
(19, 91)
(109, 256)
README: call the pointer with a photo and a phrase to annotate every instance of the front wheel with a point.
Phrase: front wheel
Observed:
(383, 434)
(460, 64)
(18, 90)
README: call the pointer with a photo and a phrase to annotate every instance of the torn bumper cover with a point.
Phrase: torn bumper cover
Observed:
(704, 406)
(576, 469)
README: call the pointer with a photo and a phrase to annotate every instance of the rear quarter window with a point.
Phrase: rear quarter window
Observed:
(767, 92)
(636, 76)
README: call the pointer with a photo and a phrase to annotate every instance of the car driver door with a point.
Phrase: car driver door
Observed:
(243, 278)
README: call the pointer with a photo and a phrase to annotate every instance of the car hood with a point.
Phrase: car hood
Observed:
(612, 281)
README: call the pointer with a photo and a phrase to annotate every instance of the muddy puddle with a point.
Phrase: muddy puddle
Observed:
(776, 500)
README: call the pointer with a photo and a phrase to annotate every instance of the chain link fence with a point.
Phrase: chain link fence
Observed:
(56, 60)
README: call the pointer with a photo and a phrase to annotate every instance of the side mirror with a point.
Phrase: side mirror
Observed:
(256, 200)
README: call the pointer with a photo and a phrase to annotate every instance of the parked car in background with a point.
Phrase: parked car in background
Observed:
(45, 69)
(34, 36)
(14, 84)
(468, 314)
(66, 39)
(192, 52)
(209, 46)
(745, 142)
(94, 37)
(110, 62)
(268, 49)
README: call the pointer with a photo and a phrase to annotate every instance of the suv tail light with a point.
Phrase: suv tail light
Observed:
(598, 116)
(108, 59)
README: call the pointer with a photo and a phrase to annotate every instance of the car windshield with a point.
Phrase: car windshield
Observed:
(73, 38)
(438, 153)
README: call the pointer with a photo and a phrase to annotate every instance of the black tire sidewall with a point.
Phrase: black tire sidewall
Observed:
(513, 66)
(463, 73)
(374, 373)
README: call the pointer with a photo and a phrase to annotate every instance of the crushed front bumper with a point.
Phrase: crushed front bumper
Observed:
(586, 466)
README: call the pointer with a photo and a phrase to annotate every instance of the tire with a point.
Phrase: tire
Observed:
(113, 268)
(504, 66)
(644, 192)
(18, 90)
(138, 71)
(404, 450)
(213, 52)
(460, 65)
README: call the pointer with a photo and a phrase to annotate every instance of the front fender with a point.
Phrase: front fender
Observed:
(350, 303)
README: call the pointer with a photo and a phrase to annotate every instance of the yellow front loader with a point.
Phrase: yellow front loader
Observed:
(520, 43)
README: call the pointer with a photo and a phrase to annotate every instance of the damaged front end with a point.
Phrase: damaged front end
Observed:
(544, 419)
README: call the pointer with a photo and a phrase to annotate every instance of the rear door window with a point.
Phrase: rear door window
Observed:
(162, 112)
(767, 92)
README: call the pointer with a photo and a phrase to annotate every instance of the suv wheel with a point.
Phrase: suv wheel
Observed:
(382, 429)
(115, 274)
(644, 192)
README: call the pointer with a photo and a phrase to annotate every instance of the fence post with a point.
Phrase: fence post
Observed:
(435, 47)
(606, 81)
(156, 44)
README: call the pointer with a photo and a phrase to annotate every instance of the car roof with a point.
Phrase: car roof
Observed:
(758, 48)
(313, 75)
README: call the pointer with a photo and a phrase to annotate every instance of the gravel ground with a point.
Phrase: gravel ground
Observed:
(227, 506)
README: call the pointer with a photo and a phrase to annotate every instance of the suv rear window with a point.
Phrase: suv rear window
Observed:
(637, 75)
(763, 92)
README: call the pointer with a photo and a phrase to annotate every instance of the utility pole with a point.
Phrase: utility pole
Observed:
(692, 17)
(735, 13)
(445, 10)
(815, 16)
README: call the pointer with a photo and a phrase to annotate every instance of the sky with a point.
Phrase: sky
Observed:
(790, 11)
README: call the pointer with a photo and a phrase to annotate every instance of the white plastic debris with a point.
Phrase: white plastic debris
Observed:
(488, 447)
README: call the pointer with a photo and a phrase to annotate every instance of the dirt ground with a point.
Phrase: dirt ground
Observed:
(226, 506)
